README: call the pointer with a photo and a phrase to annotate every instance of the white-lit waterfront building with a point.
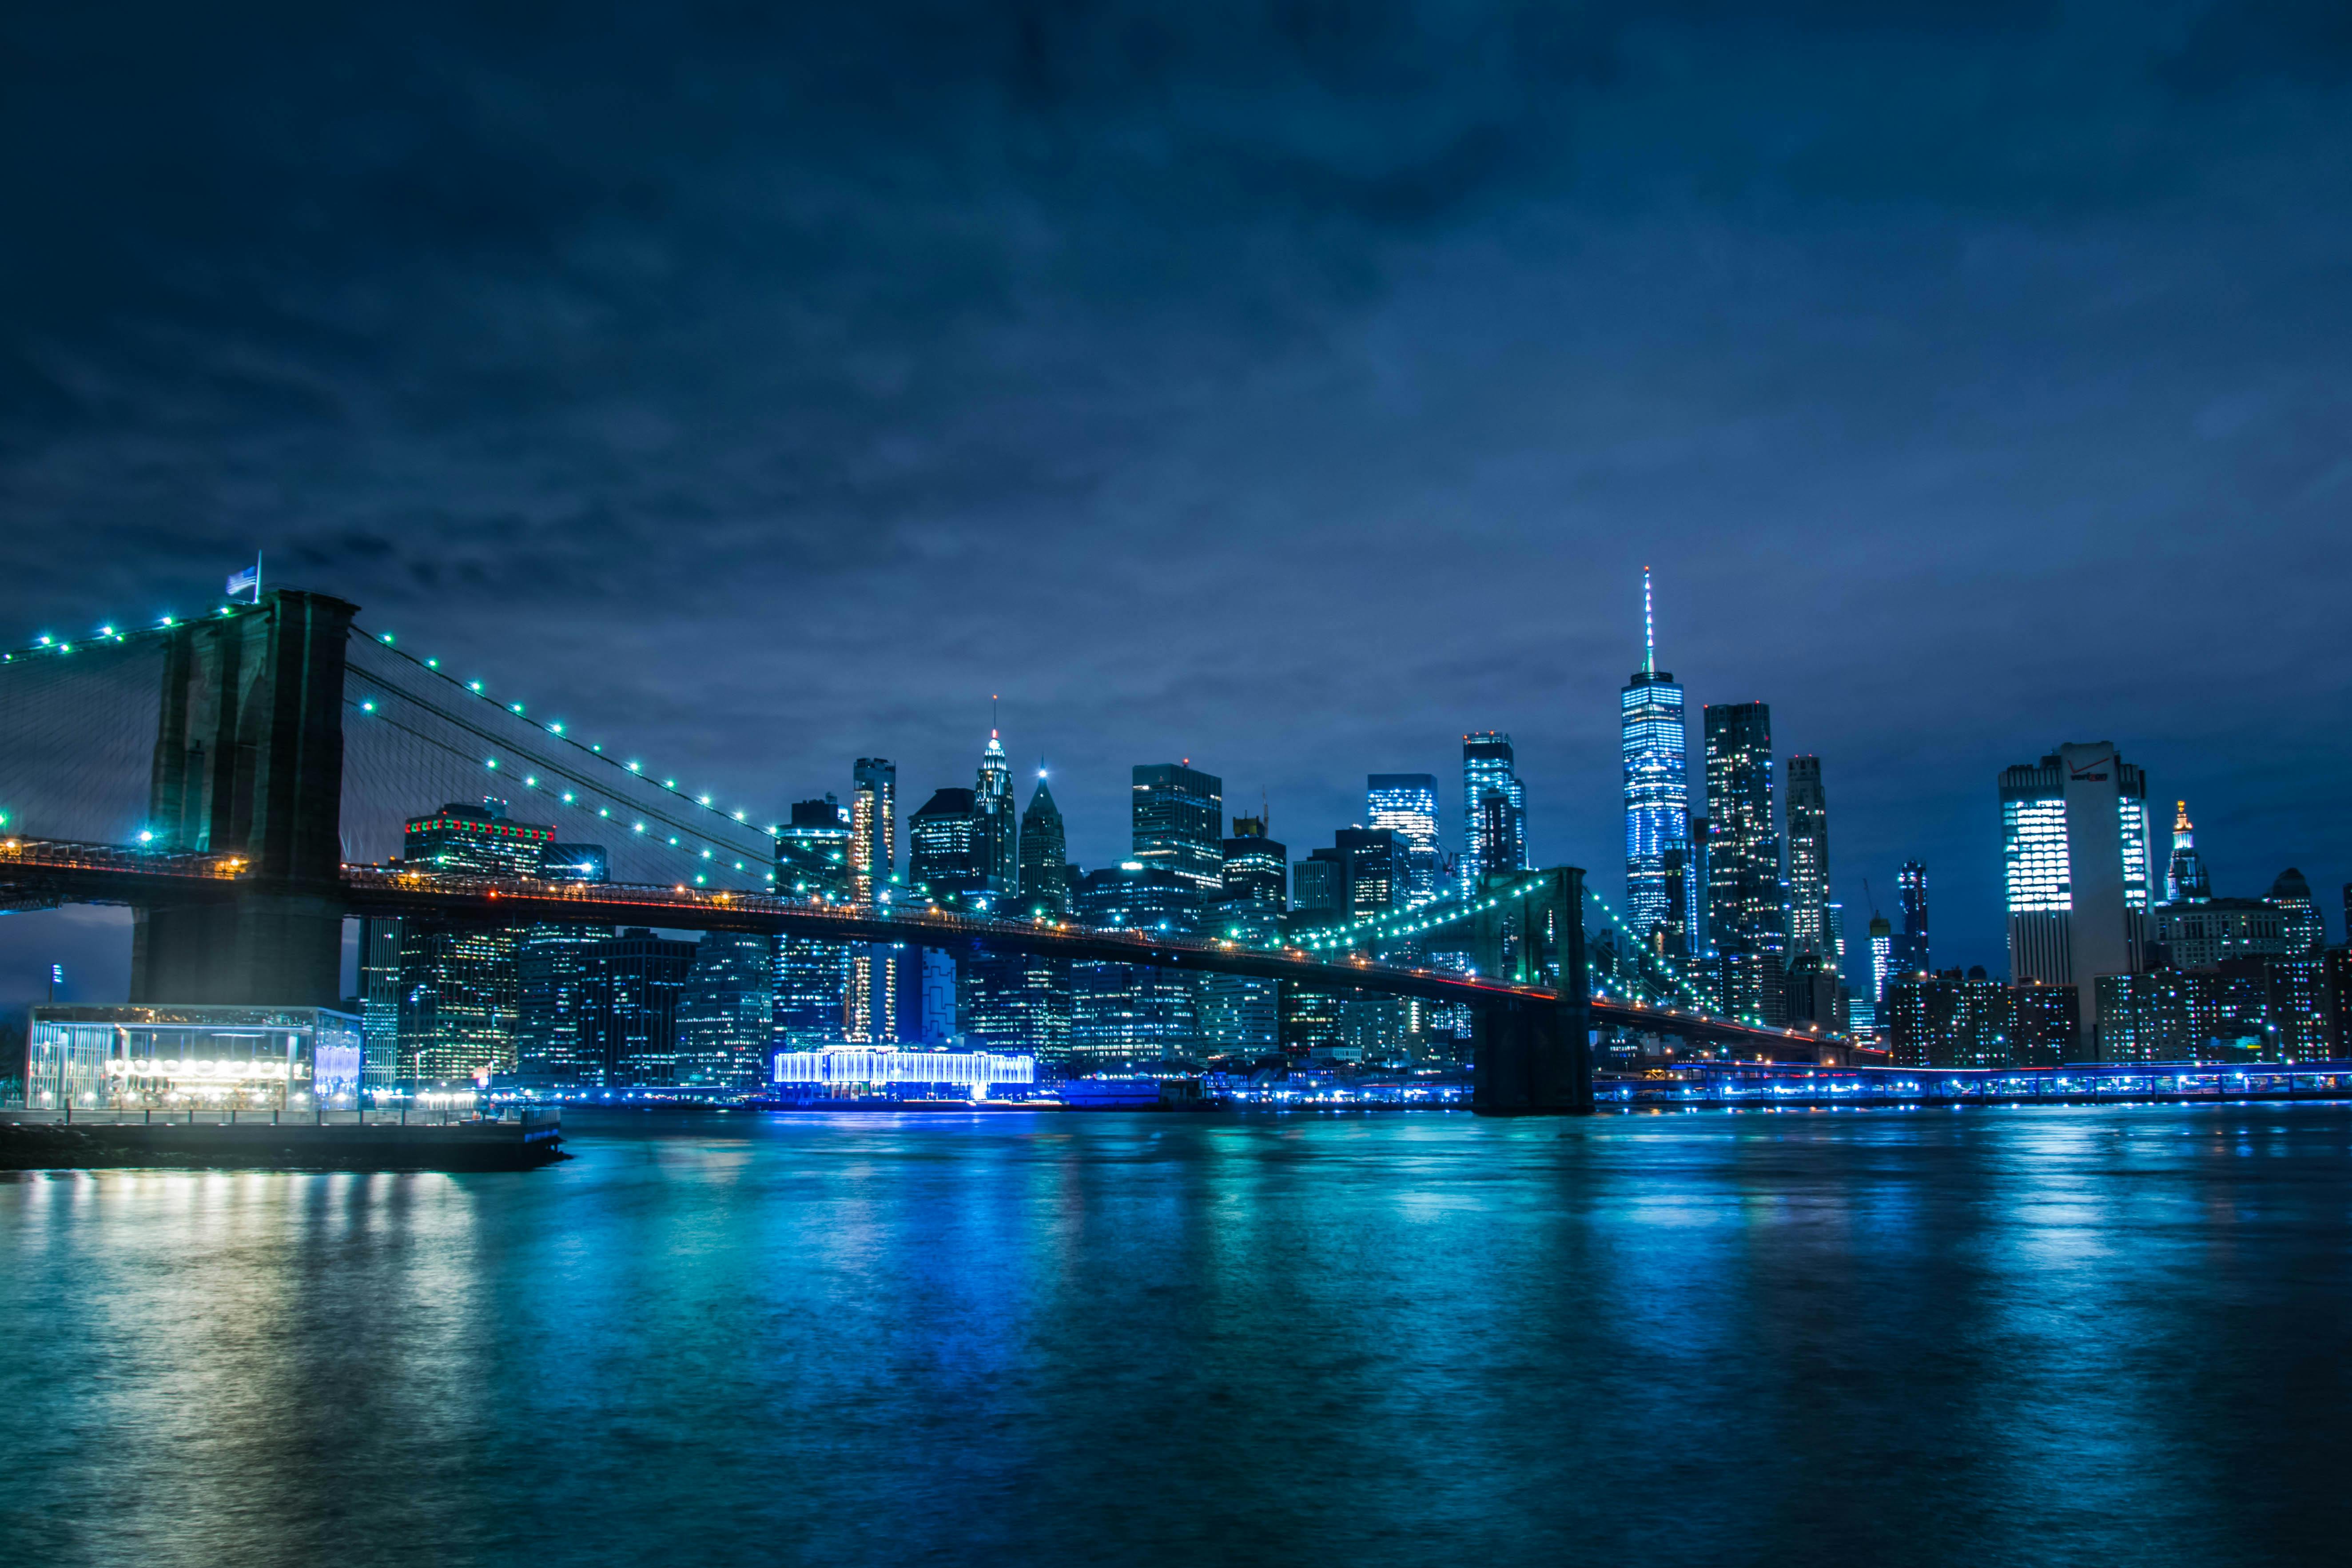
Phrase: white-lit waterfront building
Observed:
(852, 1071)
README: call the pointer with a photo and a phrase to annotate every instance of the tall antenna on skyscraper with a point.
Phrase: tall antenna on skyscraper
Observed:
(1649, 629)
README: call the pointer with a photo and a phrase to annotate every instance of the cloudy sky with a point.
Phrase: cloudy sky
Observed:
(1286, 386)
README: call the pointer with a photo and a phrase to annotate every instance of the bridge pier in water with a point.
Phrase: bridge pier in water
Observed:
(1533, 1055)
(250, 761)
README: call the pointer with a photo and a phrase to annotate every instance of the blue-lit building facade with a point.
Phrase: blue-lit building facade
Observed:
(1406, 805)
(1493, 809)
(1656, 745)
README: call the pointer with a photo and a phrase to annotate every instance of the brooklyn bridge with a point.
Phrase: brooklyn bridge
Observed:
(238, 782)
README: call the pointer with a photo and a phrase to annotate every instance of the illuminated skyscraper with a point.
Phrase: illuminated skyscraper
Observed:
(873, 828)
(1744, 900)
(1406, 805)
(551, 1034)
(813, 977)
(1911, 955)
(1256, 869)
(812, 852)
(1491, 841)
(457, 982)
(946, 853)
(2075, 848)
(1809, 929)
(634, 980)
(1127, 1011)
(993, 809)
(2185, 880)
(725, 1011)
(1657, 790)
(2304, 930)
(1373, 868)
(1044, 854)
(1318, 884)
(873, 1011)
(1882, 956)
(1179, 819)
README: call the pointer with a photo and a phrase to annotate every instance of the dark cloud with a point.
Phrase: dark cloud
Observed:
(1291, 386)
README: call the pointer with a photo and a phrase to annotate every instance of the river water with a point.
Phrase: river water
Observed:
(2044, 1335)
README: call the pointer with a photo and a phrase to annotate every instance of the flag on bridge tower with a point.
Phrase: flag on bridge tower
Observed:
(249, 578)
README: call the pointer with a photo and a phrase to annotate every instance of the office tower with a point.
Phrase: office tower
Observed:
(1318, 884)
(812, 852)
(2074, 847)
(1255, 867)
(1240, 1015)
(993, 808)
(1135, 897)
(1670, 936)
(551, 1043)
(1044, 854)
(2185, 879)
(1374, 866)
(457, 982)
(724, 1011)
(946, 855)
(1179, 818)
(873, 827)
(813, 977)
(2297, 981)
(1488, 767)
(1744, 895)
(2305, 930)
(1657, 793)
(1697, 942)
(1911, 953)
(1809, 930)
(1134, 1012)
(633, 982)
(1882, 956)
(379, 979)
(1406, 805)
(872, 1011)
(1015, 1002)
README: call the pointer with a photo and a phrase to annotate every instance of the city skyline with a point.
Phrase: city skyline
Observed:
(1863, 390)
(86, 941)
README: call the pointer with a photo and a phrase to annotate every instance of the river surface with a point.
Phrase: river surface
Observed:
(2111, 1335)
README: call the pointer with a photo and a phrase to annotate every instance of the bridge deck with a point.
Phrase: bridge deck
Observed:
(46, 870)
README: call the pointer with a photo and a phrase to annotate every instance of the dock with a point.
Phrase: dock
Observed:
(265, 1141)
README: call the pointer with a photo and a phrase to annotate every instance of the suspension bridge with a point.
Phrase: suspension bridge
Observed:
(241, 782)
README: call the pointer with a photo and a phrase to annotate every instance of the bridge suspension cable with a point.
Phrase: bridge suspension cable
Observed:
(416, 737)
(78, 725)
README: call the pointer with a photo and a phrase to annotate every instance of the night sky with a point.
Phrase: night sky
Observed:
(1289, 387)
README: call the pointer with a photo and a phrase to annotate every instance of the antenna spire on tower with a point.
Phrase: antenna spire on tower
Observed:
(1649, 629)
